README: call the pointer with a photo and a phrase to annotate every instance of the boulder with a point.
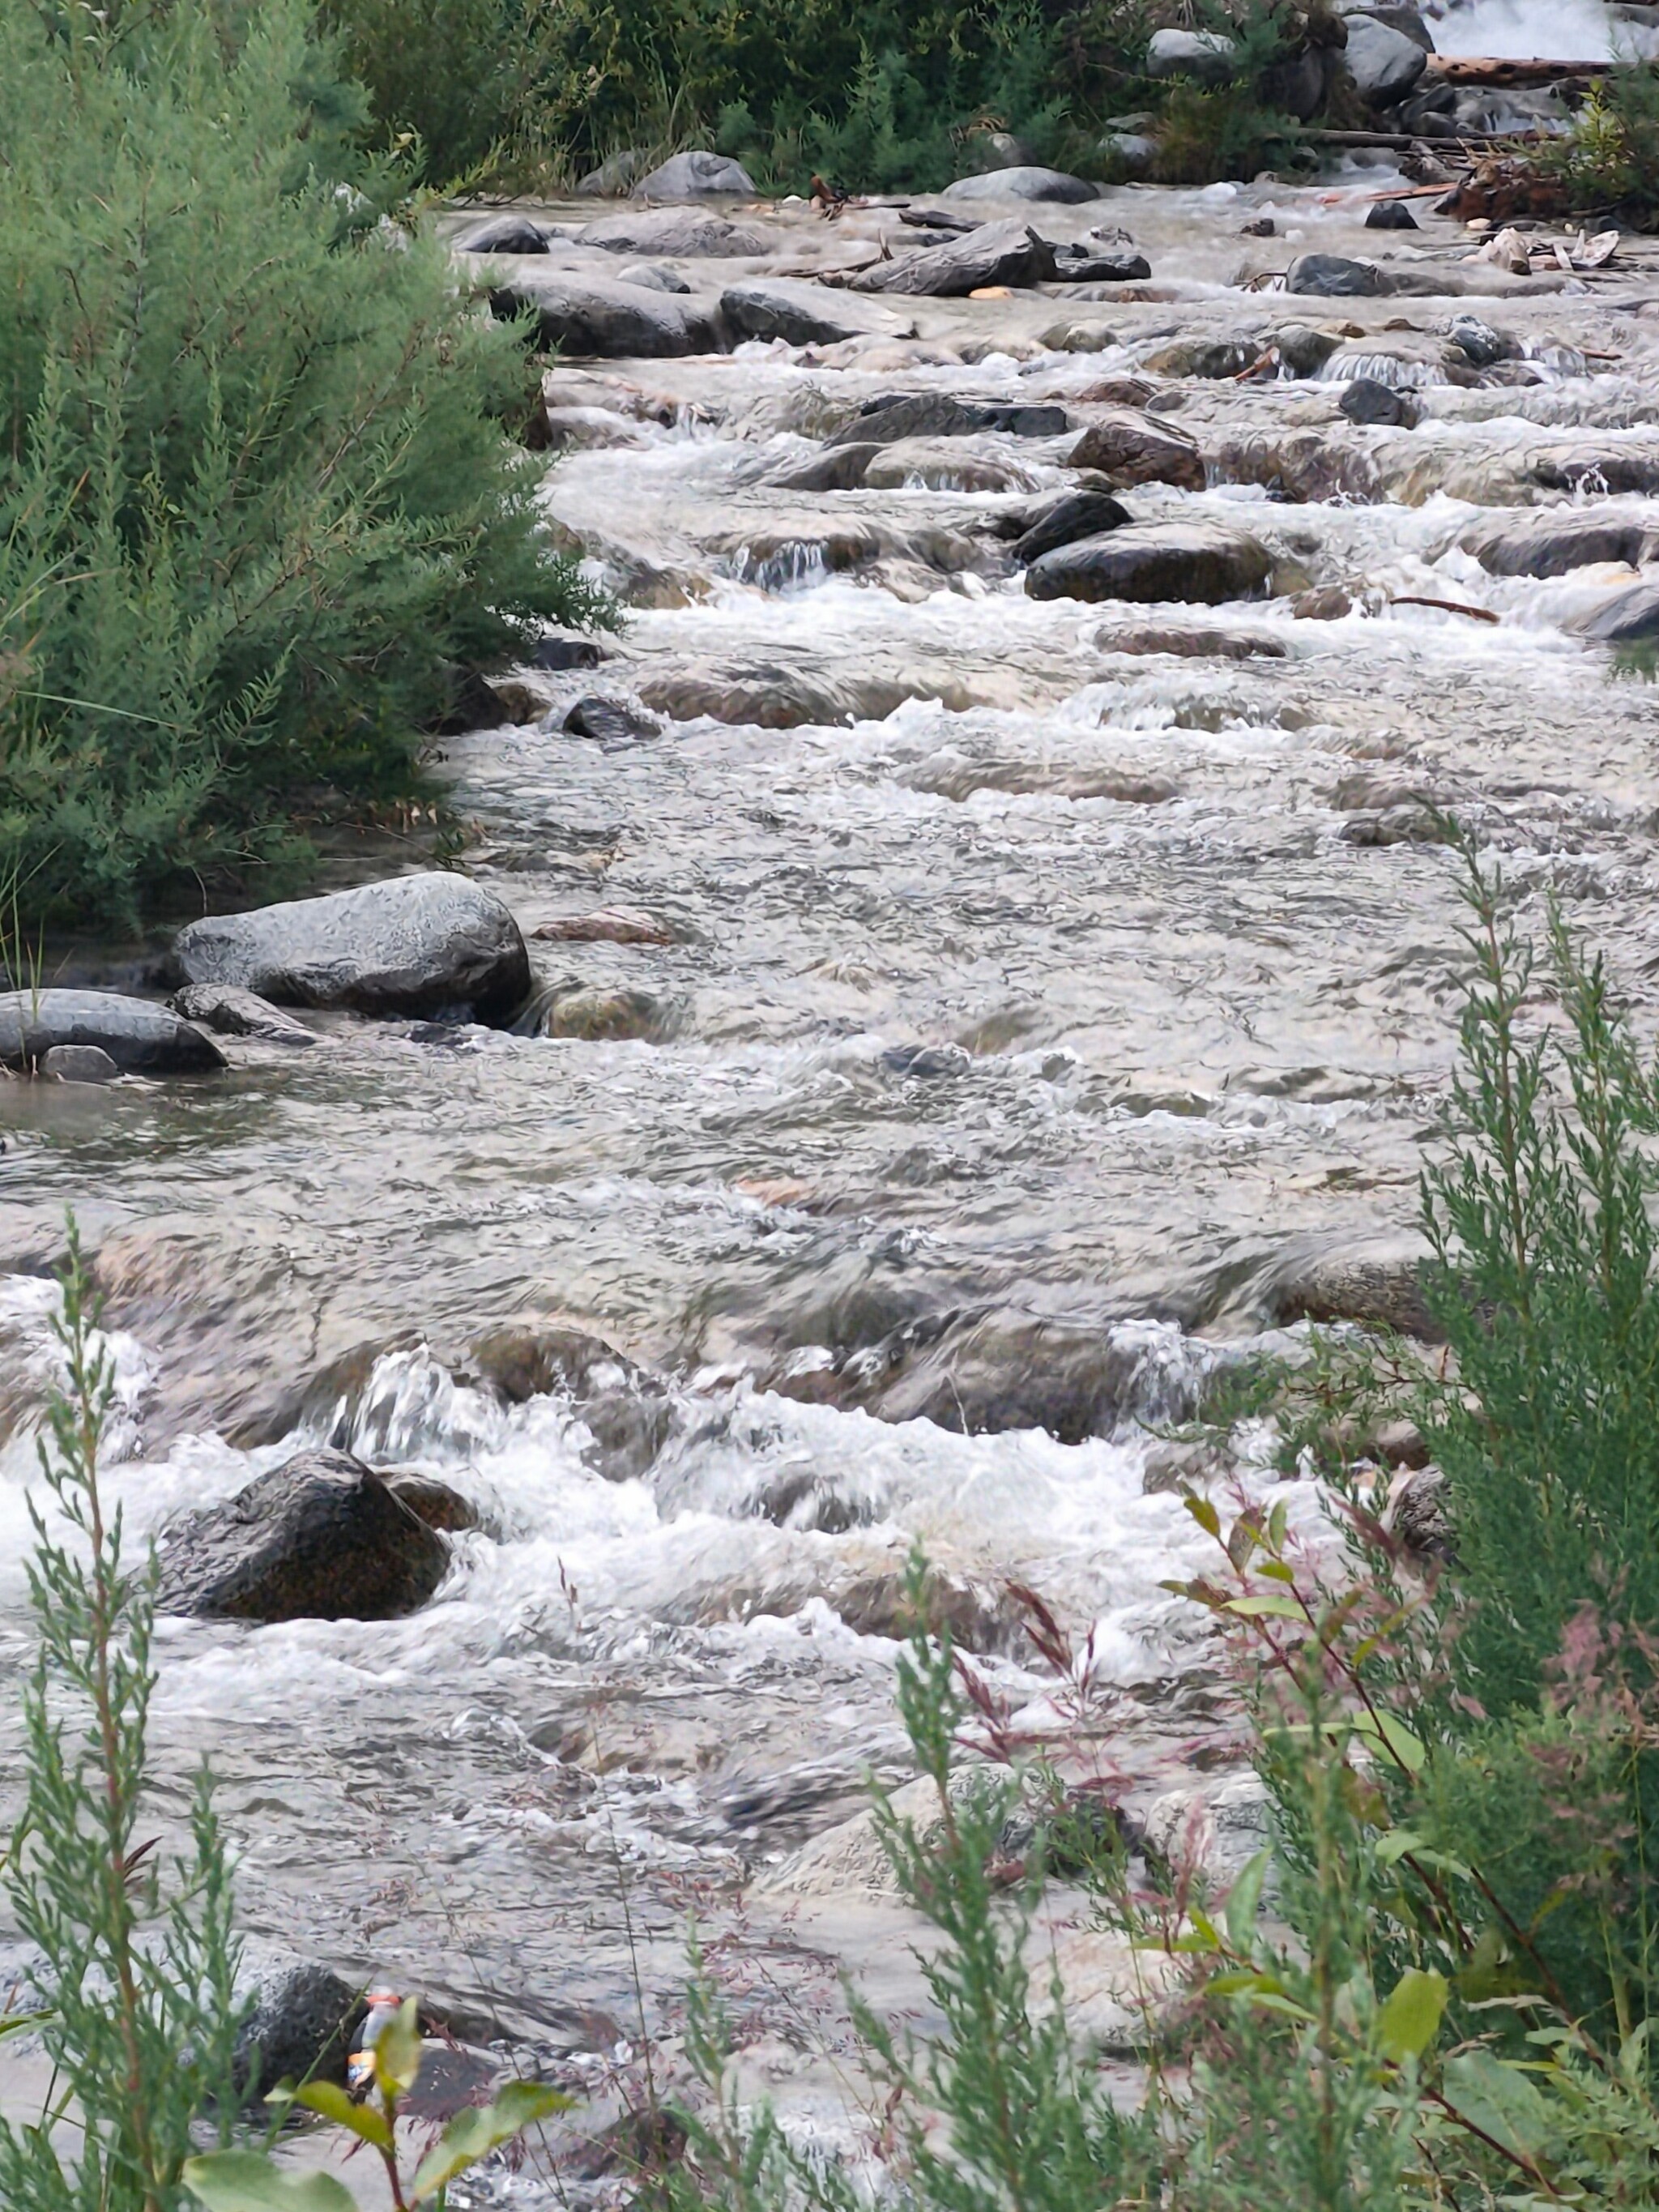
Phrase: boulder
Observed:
(141, 1039)
(1128, 448)
(299, 2025)
(611, 723)
(1391, 214)
(1020, 183)
(1206, 563)
(1365, 400)
(599, 317)
(1384, 63)
(1189, 644)
(595, 1014)
(613, 178)
(1554, 541)
(1097, 265)
(987, 151)
(1063, 520)
(79, 1063)
(892, 415)
(1332, 276)
(234, 1012)
(418, 945)
(564, 649)
(1407, 20)
(1378, 1287)
(1629, 617)
(1296, 86)
(684, 231)
(626, 1411)
(1127, 154)
(1207, 56)
(694, 176)
(655, 276)
(785, 695)
(1302, 350)
(837, 468)
(320, 1538)
(804, 314)
(508, 233)
(994, 253)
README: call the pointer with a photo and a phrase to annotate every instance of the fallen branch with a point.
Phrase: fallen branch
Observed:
(1446, 607)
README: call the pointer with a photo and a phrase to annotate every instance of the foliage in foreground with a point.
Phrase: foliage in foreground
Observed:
(256, 500)
(1608, 162)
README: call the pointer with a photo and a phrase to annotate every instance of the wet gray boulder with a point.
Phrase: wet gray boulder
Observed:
(418, 945)
(508, 233)
(1333, 277)
(600, 318)
(1129, 448)
(1099, 264)
(837, 468)
(994, 254)
(1554, 541)
(1063, 520)
(684, 232)
(1377, 1286)
(695, 177)
(300, 2024)
(1391, 214)
(320, 1538)
(653, 277)
(1406, 19)
(79, 1063)
(234, 1012)
(612, 723)
(1384, 63)
(1127, 154)
(884, 420)
(1365, 399)
(1022, 183)
(804, 314)
(1207, 56)
(141, 1039)
(1201, 562)
(1629, 617)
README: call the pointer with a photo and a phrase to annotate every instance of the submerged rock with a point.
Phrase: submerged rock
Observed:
(79, 1063)
(139, 1038)
(321, 1538)
(610, 722)
(417, 944)
(1020, 182)
(892, 415)
(236, 1012)
(1557, 540)
(1203, 562)
(684, 233)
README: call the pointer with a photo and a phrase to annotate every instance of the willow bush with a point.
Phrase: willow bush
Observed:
(258, 503)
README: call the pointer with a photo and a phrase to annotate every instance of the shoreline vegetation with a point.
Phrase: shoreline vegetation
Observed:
(1431, 1990)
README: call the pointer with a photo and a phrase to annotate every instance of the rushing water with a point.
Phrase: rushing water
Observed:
(965, 1097)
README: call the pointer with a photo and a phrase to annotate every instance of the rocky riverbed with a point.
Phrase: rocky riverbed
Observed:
(988, 962)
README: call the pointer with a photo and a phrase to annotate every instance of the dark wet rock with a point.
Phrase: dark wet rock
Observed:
(234, 1012)
(1129, 448)
(1376, 1288)
(613, 178)
(600, 318)
(696, 176)
(1479, 344)
(508, 233)
(607, 925)
(1393, 825)
(1398, 15)
(1420, 1516)
(564, 649)
(1554, 541)
(837, 468)
(1263, 227)
(804, 314)
(980, 1619)
(1332, 276)
(141, 1039)
(985, 150)
(1190, 644)
(417, 944)
(681, 232)
(1325, 603)
(1302, 350)
(1365, 400)
(1207, 56)
(996, 253)
(1630, 617)
(1202, 561)
(630, 2148)
(786, 694)
(1020, 182)
(301, 2024)
(1597, 469)
(926, 1062)
(79, 1063)
(1391, 214)
(1061, 521)
(892, 415)
(626, 1411)
(952, 775)
(611, 723)
(434, 1503)
(1297, 85)
(1100, 264)
(1383, 62)
(1209, 358)
(1127, 154)
(584, 429)
(321, 1538)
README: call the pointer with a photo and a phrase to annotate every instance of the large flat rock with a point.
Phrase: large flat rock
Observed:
(804, 314)
(141, 1039)
(418, 945)
(601, 317)
(1202, 562)
(1009, 253)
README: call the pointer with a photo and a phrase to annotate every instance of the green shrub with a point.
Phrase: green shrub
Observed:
(256, 502)
(1608, 162)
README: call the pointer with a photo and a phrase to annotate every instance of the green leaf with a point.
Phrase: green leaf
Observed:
(1242, 1901)
(473, 2135)
(335, 2104)
(1393, 1847)
(1410, 2020)
(1203, 1512)
(1282, 1608)
(1278, 1522)
(1498, 2099)
(1395, 1737)
(247, 2181)
(398, 2051)
(1276, 1570)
